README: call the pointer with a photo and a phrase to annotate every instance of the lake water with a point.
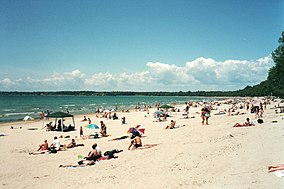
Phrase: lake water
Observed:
(17, 107)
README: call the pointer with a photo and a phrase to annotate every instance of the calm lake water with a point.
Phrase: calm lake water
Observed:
(17, 107)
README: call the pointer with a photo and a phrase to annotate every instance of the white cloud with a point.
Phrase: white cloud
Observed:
(7, 82)
(199, 74)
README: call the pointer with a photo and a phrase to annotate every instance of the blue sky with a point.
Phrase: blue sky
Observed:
(150, 45)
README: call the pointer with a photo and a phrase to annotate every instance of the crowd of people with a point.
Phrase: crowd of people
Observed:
(136, 140)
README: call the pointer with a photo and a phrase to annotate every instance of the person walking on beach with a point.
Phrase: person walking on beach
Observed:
(81, 131)
(47, 115)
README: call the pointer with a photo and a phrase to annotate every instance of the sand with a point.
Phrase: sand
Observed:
(191, 156)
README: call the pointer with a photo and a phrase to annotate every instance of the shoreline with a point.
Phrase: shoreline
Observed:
(79, 108)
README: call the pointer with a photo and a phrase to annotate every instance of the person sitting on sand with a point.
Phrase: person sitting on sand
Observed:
(55, 145)
(49, 127)
(43, 148)
(273, 168)
(72, 144)
(247, 123)
(84, 119)
(135, 142)
(172, 125)
(103, 129)
(95, 153)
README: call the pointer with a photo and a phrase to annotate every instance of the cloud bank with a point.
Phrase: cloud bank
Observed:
(199, 74)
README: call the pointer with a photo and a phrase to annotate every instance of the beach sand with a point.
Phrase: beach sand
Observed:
(191, 156)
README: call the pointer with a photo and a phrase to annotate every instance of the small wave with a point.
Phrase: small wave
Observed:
(35, 108)
(18, 113)
(67, 105)
(93, 104)
(8, 110)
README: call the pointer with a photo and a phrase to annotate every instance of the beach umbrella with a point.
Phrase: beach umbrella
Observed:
(28, 118)
(166, 106)
(92, 126)
(158, 112)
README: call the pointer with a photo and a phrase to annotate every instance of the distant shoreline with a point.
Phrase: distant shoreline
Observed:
(124, 93)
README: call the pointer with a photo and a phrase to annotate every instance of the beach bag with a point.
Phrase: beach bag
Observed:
(260, 121)
(207, 115)
(53, 151)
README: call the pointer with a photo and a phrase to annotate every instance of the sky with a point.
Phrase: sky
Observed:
(137, 45)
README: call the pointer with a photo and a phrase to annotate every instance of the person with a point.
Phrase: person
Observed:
(43, 148)
(84, 119)
(72, 144)
(261, 111)
(123, 120)
(55, 145)
(103, 129)
(89, 120)
(59, 126)
(49, 127)
(81, 131)
(81, 163)
(47, 115)
(114, 117)
(273, 168)
(95, 153)
(247, 123)
(205, 114)
(41, 115)
(135, 142)
(172, 125)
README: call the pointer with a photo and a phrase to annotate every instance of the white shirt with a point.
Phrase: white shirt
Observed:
(56, 144)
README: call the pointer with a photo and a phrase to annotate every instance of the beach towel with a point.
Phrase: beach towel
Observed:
(279, 173)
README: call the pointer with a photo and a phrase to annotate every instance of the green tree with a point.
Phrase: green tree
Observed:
(276, 73)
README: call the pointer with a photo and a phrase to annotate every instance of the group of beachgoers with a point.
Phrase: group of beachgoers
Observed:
(136, 142)
(55, 146)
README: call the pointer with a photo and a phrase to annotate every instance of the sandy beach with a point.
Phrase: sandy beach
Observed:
(193, 155)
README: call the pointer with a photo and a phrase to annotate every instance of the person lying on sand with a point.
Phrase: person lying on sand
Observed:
(135, 142)
(81, 163)
(246, 124)
(273, 168)
(172, 125)
(43, 148)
